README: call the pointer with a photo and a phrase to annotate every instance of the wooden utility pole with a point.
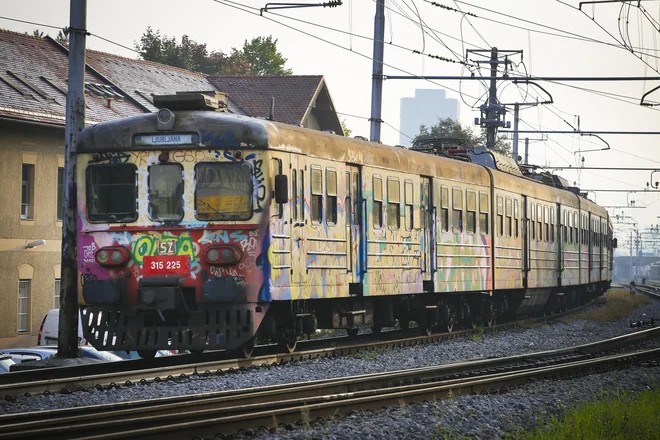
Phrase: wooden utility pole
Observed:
(67, 342)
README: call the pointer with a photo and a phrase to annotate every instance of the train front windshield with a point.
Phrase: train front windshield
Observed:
(223, 192)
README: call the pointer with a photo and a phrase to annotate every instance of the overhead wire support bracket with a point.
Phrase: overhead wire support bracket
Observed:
(649, 104)
(270, 6)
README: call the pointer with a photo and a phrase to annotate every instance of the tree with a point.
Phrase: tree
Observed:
(262, 56)
(347, 131)
(37, 33)
(259, 57)
(448, 128)
(63, 37)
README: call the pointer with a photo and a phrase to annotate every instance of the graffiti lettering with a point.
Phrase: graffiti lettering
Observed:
(189, 156)
(259, 188)
(89, 253)
(110, 158)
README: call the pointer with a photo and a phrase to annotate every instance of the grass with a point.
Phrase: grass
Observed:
(477, 335)
(371, 354)
(614, 305)
(622, 416)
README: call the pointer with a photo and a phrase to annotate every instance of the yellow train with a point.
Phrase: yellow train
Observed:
(204, 230)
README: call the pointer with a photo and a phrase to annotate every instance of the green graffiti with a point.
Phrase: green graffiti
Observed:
(150, 245)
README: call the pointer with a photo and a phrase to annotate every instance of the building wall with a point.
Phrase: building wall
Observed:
(425, 108)
(44, 147)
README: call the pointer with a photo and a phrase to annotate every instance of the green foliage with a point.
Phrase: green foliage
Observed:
(259, 57)
(37, 33)
(62, 37)
(614, 305)
(466, 136)
(262, 56)
(622, 416)
(347, 131)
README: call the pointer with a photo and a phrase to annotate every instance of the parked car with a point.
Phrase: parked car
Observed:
(20, 358)
(48, 332)
(5, 363)
(46, 351)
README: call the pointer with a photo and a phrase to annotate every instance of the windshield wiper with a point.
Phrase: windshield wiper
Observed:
(209, 206)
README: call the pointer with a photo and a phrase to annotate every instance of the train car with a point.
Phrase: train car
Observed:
(200, 230)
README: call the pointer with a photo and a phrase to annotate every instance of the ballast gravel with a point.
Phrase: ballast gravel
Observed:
(482, 417)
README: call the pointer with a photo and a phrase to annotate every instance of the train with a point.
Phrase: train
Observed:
(203, 230)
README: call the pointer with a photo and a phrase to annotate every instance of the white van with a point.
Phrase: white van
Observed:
(49, 328)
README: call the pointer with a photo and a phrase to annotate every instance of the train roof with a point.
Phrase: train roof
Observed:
(219, 130)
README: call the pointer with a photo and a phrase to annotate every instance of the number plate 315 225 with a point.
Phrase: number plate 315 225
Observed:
(165, 265)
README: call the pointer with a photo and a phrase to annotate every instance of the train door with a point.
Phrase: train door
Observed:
(299, 219)
(526, 241)
(558, 244)
(354, 208)
(427, 248)
(590, 232)
(280, 227)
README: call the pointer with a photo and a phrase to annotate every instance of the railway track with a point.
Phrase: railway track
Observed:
(65, 380)
(268, 407)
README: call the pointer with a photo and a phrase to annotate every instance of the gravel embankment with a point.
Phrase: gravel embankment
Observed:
(471, 416)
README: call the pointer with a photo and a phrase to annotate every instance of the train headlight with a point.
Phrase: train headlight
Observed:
(102, 256)
(112, 256)
(116, 256)
(223, 255)
(213, 255)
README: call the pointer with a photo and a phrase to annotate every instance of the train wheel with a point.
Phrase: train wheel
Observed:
(376, 329)
(147, 354)
(289, 346)
(425, 330)
(245, 350)
(352, 332)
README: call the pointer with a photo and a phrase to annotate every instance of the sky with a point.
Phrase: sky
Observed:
(555, 37)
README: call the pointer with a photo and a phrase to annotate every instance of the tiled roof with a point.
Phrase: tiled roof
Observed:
(293, 94)
(141, 79)
(44, 66)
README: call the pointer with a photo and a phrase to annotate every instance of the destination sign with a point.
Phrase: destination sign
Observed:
(164, 139)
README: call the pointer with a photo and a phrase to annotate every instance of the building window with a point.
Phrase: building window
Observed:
(23, 306)
(457, 211)
(331, 196)
(56, 301)
(60, 193)
(317, 195)
(393, 203)
(377, 212)
(27, 192)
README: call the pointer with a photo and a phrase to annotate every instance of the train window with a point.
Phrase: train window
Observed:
(302, 196)
(112, 193)
(508, 210)
(393, 203)
(294, 196)
(500, 216)
(166, 192)
(570, 229)
(331, 196)
(378, 202)
(410, 213)
(516, 218)
(457, 211)
(539, 221)
(317, 195)
(576, 225)
(348, 204)
(552, 225)
(471, 211)
(532, 220)
(484, 209)
(565, 227)
(356, 198)
(444, 209)
(224, 191)
(546, 220)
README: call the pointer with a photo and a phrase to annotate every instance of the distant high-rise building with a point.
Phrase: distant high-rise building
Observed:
(425, 108)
